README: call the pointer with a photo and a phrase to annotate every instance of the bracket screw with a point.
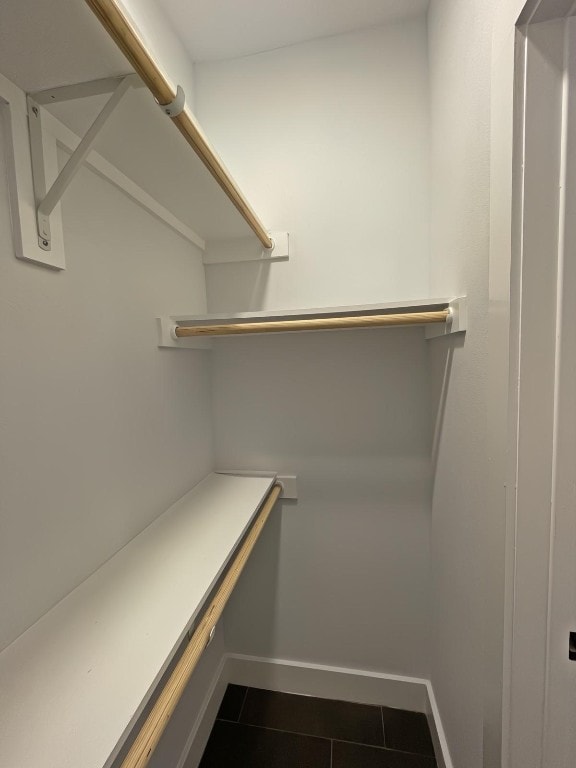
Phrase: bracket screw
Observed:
(35, 110)
(44, 242)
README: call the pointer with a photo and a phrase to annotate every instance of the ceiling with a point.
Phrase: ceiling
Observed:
(222, 29)
(48, 43)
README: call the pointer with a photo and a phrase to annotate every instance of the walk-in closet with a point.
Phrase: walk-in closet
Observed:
(286, 366)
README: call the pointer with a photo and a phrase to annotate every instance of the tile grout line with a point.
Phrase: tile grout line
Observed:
(243, 703)
(328, 738)
(292, 733)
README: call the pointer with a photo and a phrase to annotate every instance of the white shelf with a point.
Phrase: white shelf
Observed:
(422, 305)
(74, 683)
(166, 325)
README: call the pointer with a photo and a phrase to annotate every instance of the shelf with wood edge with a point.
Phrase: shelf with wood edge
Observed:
(438, 316)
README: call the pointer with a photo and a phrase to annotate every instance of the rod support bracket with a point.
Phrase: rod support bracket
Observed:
(166, 335)
(457, 321)
(175, 107)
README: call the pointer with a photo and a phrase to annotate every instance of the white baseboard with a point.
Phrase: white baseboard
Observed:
(437, 730)
(411, 693)
(328, 682)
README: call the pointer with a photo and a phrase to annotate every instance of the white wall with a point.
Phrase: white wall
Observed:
(468, 514)
(163, 42)
(329, 140)
(460, 78)
(342, 576)
(459, 45)
(101, 430)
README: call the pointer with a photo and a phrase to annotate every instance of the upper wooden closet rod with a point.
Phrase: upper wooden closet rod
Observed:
(133, 48)
(314, 324)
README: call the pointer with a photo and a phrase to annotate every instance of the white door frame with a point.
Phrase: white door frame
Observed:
(525, 211)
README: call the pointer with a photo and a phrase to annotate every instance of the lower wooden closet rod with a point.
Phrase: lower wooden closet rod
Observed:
(314, 324)
(150, 733)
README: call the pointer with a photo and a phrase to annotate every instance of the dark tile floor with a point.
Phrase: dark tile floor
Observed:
(265, 729)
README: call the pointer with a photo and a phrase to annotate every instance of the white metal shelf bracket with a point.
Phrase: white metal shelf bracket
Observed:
(14, 118)
(48, 196)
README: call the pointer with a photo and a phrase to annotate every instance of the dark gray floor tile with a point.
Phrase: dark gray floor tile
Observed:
(232, 702)
(360, 723)
(232, 745)
(407, 731)
(346, 755)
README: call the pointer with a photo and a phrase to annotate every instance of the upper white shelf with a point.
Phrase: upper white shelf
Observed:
(116, 128)
(142, 145)
(440, 316)
(73, 685)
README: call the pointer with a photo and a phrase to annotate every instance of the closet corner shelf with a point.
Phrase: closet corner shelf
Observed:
(440, 317)
(73, 685)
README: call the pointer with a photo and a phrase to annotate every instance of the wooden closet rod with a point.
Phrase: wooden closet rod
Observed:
(127, 39)
(153, 728)
(314, 324)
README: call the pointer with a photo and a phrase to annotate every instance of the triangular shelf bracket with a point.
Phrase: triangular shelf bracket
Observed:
(48, 195)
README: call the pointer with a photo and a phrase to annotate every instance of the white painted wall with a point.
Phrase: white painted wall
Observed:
(460, 90)
(470, 71)
(163, 42)
(329, 140)
(459, 44)
(101, 430)
(342, 576)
